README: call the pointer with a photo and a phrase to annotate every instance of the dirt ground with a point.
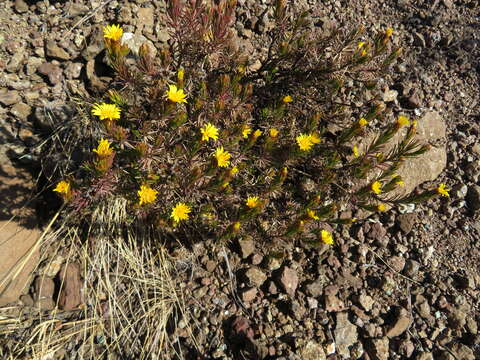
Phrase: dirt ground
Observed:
(402, 286)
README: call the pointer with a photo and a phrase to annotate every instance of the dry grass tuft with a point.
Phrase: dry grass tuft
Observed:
(131, 303)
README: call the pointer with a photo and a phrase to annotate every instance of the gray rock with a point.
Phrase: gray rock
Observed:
(246, 247)
(73, 70)
(312, 351)
(402, 323)
(21, 6)
(412, 267)
(21, 110)
(333, 304)
(55, 51)
(406, 348)
(297, 310)
(397, 263)
(315, 288)
(345, 334)
(366, 302)
(52, 71)
(288, 280)
(71, 285)
(463, 352)
(134, 41)
(457, 319)
(255, 276)
(44, 287)
(8, 98)
(378, 349)
(406, 221)
(16, 60)
(249, 294)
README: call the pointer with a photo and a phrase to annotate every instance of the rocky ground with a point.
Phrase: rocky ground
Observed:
(404, 285)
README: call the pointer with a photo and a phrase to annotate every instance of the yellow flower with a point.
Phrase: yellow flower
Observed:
(377, 187)
(209, 131)
(326, 237)
(287, 99)
(252, 202)
(176, 95)
(381, 207)
(355, 151)
(273, 133)
(180, 212)
(403, 121)
(180, 74)
(363, 52)
(236, 226)
(361, 44)
(64, 188)
(106, 111)
(222, 156)
(314, 138)
(304, 142)
(311, 214)
(146, 194)
(257, 133)
(398, 180)
(362, 122)
(246, 131)
(113, 32)
(442, 190)
(233, 171)
(389, 32)
(103, 149)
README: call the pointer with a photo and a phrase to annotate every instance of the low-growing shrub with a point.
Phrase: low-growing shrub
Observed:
(202, 143)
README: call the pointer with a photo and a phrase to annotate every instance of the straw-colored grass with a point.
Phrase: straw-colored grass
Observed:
(131, 302)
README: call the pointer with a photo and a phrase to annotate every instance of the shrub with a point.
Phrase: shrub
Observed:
(200, 143)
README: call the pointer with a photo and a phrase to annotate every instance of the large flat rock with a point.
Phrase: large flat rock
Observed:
(18, 232)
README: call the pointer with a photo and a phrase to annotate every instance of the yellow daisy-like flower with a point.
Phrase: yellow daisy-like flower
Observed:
(113, 32)
(389, 32)
(360, 44)
(64, 188)
(236, 226)
(355, 151)
(362, 122)
(180, 212)
(304, 142)
(363, 52)
(326, 237)
(273, 133)
(222, 156)
(106, 111)
(180, 74)
(209, 131)
(402, 121)
(233, 170)
(103, 149)
(287, 99)
(377, 187)
(381, 207)
(146, 195)
(257, 133)
(252, 202)
(247, 130)
(176, 95)
(314, 138)
(443, 191)
(311, 214)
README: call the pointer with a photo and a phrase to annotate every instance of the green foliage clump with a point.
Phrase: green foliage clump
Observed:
(200, 142)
